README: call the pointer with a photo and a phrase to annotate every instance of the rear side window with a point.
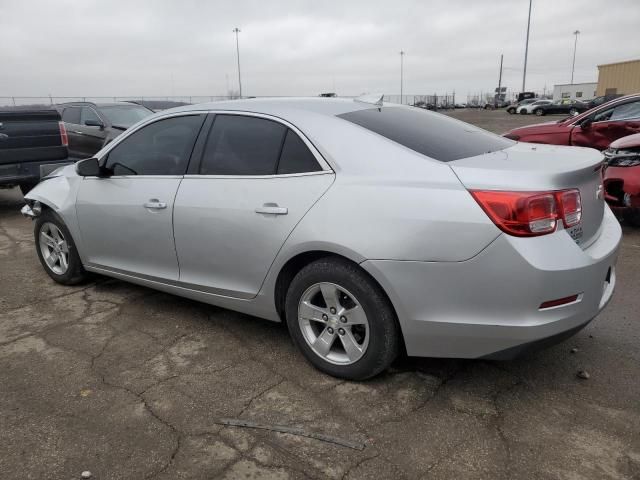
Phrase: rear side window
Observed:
(296, 157)
(431, 134)
(160, 148)
(242, 145)
(71, 115)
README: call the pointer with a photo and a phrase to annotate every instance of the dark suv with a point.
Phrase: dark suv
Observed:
(90, 126)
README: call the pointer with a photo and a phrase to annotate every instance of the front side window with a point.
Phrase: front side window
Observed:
(432, 134)
(242, 145)
(626, 111)
(71, 115)
(88, 114)
(125, 115)
(160, 148)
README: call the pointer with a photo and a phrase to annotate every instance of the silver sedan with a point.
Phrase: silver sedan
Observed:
(371, 229)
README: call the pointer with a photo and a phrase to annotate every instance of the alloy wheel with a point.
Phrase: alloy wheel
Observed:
(333, 323)
(54, 248)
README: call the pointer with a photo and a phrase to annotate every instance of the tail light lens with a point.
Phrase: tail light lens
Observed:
(63, 134)
(571, 207)
(529, 214)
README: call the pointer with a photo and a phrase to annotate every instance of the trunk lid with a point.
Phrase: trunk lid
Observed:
(534, 167)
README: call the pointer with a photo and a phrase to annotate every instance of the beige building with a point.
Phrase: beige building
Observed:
(621, 78)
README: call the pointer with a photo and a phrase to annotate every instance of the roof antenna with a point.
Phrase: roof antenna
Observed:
(372, 98)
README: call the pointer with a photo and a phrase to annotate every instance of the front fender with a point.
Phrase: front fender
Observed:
(59, 194)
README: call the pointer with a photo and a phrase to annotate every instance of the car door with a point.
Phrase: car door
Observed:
(125, 219)
(90, 137)
(256, 180)
(608, 124)
(71, 119)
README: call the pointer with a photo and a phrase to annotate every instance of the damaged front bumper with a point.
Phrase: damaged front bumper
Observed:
(31, 211)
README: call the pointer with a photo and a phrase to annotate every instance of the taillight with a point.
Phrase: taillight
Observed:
(570, 206)
(63, 134)
(529, 214)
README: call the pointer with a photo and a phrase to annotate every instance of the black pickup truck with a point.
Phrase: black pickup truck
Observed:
(33, 143)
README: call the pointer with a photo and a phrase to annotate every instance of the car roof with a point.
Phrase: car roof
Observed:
(278, 106)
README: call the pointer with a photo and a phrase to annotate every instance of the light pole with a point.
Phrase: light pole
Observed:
(237, 31)
(575, 46)
(401, 68)
(526, 48)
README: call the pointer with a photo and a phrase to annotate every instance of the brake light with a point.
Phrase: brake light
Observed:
(63, 134)
(571, 207)
(529, 214)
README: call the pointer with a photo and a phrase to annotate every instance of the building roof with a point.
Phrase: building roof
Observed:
(619, 63)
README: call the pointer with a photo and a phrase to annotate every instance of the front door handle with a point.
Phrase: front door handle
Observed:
(155, 204)
(78, 132)
(272, 209)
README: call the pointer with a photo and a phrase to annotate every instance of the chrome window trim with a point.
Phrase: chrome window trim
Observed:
(259, 177)
(136, 176)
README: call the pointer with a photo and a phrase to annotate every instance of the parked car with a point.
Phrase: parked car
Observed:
(529, 107)
(396, 227)
(91, 126)
(570, 107)
(595, 128)
(33, 143)
(511, 109)
(622, 178)
(597, 101)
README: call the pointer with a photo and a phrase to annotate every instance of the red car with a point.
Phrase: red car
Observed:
(622, 178)
(595, 128)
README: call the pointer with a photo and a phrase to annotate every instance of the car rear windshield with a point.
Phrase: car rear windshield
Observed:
(434, 135)
(125, 116)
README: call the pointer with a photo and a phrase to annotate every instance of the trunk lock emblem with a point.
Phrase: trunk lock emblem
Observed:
(600, 192)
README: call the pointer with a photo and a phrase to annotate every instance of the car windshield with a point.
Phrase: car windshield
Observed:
(432, 134)
(124, 115)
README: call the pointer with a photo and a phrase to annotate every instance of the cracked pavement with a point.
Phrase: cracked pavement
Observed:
(127, 382)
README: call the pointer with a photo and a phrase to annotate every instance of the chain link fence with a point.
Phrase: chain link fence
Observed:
(161, 102)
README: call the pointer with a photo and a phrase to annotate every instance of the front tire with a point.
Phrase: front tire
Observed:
(56, 250)
(511, 111)
(341, 320)
(539, 112)
(573, 112)
(632, 217)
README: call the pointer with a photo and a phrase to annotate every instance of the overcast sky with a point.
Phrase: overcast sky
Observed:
(288, 47)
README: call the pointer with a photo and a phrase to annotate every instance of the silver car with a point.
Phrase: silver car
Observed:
(371, 229)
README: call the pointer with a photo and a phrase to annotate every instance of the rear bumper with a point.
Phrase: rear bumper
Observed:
(488, 306)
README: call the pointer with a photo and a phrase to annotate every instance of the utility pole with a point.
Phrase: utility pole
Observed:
(526, 48)
(401, 72)
(575, 46)
(495, 102)
(237, 31)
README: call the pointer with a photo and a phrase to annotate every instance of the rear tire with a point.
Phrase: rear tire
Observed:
(511, 111)
(56, 249)
(523, 112)
(632, 217)
(370, 323)
(573, 111)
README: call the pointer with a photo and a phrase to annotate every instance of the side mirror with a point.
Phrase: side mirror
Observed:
(94, 123)
(586, 123)
(88, 168)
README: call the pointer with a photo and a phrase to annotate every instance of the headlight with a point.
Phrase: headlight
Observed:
(622, 158)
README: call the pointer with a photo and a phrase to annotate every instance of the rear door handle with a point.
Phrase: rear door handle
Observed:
(272, 209)
(155, 204)
(78, 132)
